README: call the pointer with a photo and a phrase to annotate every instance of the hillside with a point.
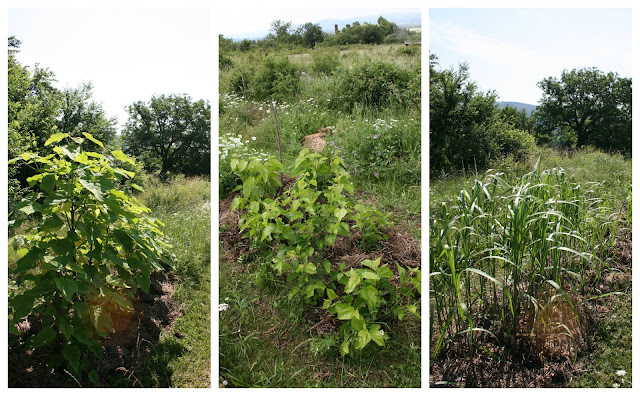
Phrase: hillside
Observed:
(519, 105)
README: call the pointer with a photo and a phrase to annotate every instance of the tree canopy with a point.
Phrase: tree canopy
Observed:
(170, 133)
(586, 107)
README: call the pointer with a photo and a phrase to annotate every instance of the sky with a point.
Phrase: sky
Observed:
(237, 21)
(128, 54)
(511, 50)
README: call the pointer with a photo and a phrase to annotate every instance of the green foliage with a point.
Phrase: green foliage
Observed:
(384, 149)
(170, 133)
(325, 61)
(460, 121)
(277, 78)
(377, 84)
(594, 106)
(93, 249)
(302, 222)
(512, 141)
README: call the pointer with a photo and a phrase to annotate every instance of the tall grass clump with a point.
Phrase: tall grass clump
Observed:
(510, 250)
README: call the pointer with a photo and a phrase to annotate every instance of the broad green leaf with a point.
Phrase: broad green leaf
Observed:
(65, 328)
(55, 138)
(22, 306)
(368, 274)
(357, 323)
(370, 295)
(116, 281)
(98, 189)
(340, 213)
(31, 208)
(376, 334)
(68, 287)
(120, 156)
(137, 187)
(402, 274)
(91, 138)
(346, 311)
(344, 347)
(94, 377)
(123, 239)
(331, 294)
(310, 268)
(354, 280)
(52, 223)
(414, 310)
(373, 264)
(72, 355)
(364, 337)
(44, 337)
(385, 272)
(266, 232)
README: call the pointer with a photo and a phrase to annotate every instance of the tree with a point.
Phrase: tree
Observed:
(81, 114)
(588, 107)
(282, 31)
(310, 34)
(170, 133)
(461, 120)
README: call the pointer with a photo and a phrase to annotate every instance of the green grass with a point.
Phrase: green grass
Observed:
(265, 340)
(184, 206)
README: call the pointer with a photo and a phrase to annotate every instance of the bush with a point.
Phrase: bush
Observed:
(512, 141)
(325, 61)
(377, 84)
(276, 79)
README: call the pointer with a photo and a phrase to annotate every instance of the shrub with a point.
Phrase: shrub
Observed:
(377, 84)
(276, 79)
(325, 61)
(83, 264)
(513, 141)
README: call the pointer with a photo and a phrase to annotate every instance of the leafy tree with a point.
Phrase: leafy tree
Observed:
(516, 118)
(170, 133)
(33, 106)
(282, 31)
(587, 106)
(310, 34)
(460, 120)
(81, 114)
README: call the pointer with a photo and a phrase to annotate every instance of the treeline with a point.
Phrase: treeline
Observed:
(168, 134)
(467, 130)
(309, 35)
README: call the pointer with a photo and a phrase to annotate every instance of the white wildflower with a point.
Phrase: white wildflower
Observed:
(616, 385)
(621, 373)
(223, 307)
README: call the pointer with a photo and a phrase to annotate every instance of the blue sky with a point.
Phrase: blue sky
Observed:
(129, 54)
(510, 50)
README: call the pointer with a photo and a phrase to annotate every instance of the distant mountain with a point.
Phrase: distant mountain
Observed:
(402, 19)
(518, 105)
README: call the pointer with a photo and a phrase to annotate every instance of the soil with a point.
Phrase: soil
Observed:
(539, 358)
(124, 351)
